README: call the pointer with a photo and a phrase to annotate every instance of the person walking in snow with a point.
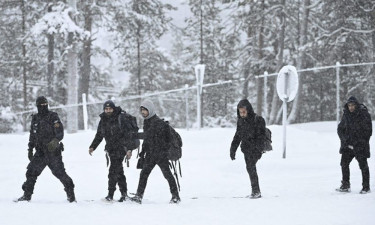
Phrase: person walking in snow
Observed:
(355, 130)
(116, 129)
(45, 135)
(250, 133)
(155, 147)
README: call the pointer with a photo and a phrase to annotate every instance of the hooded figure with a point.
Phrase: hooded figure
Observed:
(42, 105)
(114, 128)
(157, 140)
(250, 133)
(355, 130)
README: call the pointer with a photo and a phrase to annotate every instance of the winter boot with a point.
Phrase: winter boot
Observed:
(109, 197)
(365, 190)
(345, 187)
(137, 198)
(71, 197)
(255, 194)
(124, 197)
(25, 197)
(175, 199)
(70, 194)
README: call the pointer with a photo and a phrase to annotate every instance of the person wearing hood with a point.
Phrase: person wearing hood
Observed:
(250, 133)
(114, 128)
(355, 130)
(155, 148)
(45, 135)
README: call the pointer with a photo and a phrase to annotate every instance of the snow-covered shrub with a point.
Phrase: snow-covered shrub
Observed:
(8, 120)
(220, 121)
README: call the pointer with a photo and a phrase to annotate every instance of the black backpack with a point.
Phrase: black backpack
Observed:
(131, 125)
(175, 149)
(175, 152)
(267, 138)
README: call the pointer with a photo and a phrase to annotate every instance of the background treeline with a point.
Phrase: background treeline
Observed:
(239, 39)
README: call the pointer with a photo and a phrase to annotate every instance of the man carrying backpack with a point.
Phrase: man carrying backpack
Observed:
(157, 141)
(117, 132)
(355, 130)
(250, 133)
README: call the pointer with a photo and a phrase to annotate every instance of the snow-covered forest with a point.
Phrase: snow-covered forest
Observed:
(124, 48)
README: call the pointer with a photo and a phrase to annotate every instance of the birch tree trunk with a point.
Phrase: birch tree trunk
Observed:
(301, 59)
(259, 82)
(275, 99)
(24, 72)
(84, 79)
(72, 83)
(50, 67)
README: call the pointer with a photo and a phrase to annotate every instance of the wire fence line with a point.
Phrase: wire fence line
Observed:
(187, 100)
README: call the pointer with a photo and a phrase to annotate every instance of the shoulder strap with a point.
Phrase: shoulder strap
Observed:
(120, 118)
(119, 121)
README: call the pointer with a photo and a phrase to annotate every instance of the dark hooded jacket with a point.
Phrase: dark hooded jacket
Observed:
(157, 135)
(250, 131)
(109, 129)
(157, 138)
(355, 129)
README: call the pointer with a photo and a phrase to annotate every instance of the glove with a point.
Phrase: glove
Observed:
(232, 155)
(30, 155)
(52, 145)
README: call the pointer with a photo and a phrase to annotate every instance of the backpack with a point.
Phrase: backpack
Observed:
(131, 125)
(267, 138)
(175, 152)
(175, 149)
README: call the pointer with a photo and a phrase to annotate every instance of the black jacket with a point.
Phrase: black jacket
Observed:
(109, 129)
(44, 128)
(355, 129)
(157, 138)
(250, 131)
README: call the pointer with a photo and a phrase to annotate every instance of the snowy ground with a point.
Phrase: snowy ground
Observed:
(296, 190)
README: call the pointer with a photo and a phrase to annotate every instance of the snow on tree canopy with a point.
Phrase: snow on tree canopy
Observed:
(58, 21)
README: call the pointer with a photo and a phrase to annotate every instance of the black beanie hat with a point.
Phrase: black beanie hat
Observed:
(40, 100)
(352, 99)
(109, 103)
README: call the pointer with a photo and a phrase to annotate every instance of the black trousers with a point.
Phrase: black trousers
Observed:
(36, 166)
(346, 158)
(116, 173)
(251, 161)
(148, 167)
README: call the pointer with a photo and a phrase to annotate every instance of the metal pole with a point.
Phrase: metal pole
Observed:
(199, 105)
(187, 106)
(284, 127)
(285, 112)
(338, 92)
(265, 97)
(85, 114)
(201, 62)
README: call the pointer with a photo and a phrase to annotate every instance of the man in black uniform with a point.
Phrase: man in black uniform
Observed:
(355, 130)
(115, 130)
(155, 148)
(250, 133)
(45, 135)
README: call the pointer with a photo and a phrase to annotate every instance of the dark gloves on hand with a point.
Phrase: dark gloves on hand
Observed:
(232, 155)
(30, 155)
(52, 145)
